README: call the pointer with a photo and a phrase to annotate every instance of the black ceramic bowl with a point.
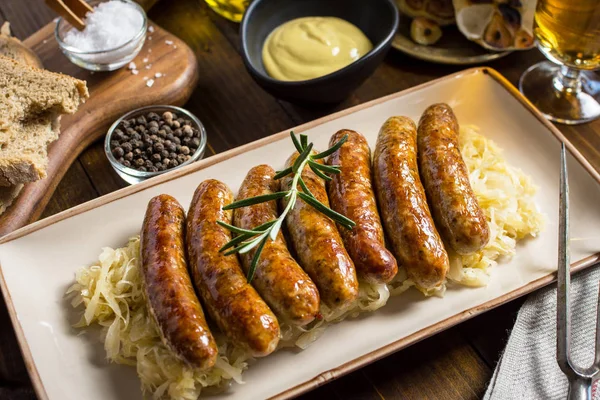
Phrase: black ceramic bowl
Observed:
(378, 19)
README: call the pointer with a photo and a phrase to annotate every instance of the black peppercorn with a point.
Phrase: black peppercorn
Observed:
(173, 163)
(128, 156)
(186, 140)
(175, 124)
(142, 169)
(177, 133)
(156, 157)
(153, 130)
(152, 169)
(188, 131)
(118, 152)
(164, 153)
(185, 150)
(127, 147)
(167, 129)
(167, 115)
(173, 155)
(149, 164)
(137, 152)
(158, 147)
(114, 143)
(139, 162)
(127, 163)
(152, 116)
(141, 120)
(176, 140)
(181, 159)
(152, 124)
(125, 124)
(170, 137)
(195, 142)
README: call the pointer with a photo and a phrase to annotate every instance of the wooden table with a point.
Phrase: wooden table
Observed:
(456, 364)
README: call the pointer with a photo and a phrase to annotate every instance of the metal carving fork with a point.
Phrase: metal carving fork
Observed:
(580, 379)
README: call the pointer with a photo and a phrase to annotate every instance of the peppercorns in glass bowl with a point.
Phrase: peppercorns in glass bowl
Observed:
(151, 140)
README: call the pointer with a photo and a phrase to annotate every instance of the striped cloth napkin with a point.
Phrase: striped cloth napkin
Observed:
(528, 368)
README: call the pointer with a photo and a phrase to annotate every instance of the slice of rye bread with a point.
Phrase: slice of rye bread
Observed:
(24, 157)
(27, 91)
(23, 142)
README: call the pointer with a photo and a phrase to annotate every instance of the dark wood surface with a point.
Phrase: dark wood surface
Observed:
(456, 364)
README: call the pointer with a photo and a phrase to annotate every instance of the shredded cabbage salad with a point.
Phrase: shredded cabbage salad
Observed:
(111, 289)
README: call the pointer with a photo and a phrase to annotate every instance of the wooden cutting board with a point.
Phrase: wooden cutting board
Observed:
(111, 95)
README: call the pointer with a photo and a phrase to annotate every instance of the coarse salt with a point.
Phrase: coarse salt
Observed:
(169, 42)
(150, 82)
(112, 24)
(148, 66)
(145, 60)
(151, 29)
(131, 65)
(135, 71)
(158, 75)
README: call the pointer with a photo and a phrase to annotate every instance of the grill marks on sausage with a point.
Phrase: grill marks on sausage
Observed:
(403, 205)
(279, 279)
(351, 194)
(172, 301)
(319, 246)
(230, 300)
(455, 209)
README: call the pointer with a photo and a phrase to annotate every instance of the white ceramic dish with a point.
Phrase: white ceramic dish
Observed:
(38, 261)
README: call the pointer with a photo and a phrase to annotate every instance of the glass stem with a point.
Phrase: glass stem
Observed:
(568, 80)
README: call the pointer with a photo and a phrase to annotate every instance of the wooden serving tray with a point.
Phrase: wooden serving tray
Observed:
(111, 95)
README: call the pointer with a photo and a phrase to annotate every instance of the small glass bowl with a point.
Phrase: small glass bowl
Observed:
(133, 176)
(104, 60)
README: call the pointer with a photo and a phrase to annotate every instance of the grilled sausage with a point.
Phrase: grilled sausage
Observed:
(446, 181)
(318, 244)
(351, 194)
(406, 217)
(278, 278)
(171, 299)
(229, 299)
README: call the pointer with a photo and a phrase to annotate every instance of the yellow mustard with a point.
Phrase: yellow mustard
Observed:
(309, 47)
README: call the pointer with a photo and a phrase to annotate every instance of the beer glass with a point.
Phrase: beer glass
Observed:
(567, 32)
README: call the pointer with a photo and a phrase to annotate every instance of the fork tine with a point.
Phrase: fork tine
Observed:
(563, 317)
(597, 350)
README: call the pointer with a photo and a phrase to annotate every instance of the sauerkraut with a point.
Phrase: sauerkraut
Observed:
(111, 292)
(111, 289)
(506, 196)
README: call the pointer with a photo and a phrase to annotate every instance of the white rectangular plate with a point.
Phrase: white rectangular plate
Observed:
(38, 262)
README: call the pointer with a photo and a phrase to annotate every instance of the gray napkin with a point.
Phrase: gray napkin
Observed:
(528, 368)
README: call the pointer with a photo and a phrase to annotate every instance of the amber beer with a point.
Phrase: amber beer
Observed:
(568, 31)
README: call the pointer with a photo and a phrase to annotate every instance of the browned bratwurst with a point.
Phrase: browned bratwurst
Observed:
(406, 217)
(446, 180)
(172, 301)
(318, 244)
(230, 300)
(351, 194)
(278, 278)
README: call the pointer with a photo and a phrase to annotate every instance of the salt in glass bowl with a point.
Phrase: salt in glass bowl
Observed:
(103, 60)
(133, 176)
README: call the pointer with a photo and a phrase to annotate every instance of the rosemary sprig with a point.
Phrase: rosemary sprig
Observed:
(248, 239)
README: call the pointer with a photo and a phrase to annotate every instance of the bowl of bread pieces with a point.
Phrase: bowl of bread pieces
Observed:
(29, 119)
